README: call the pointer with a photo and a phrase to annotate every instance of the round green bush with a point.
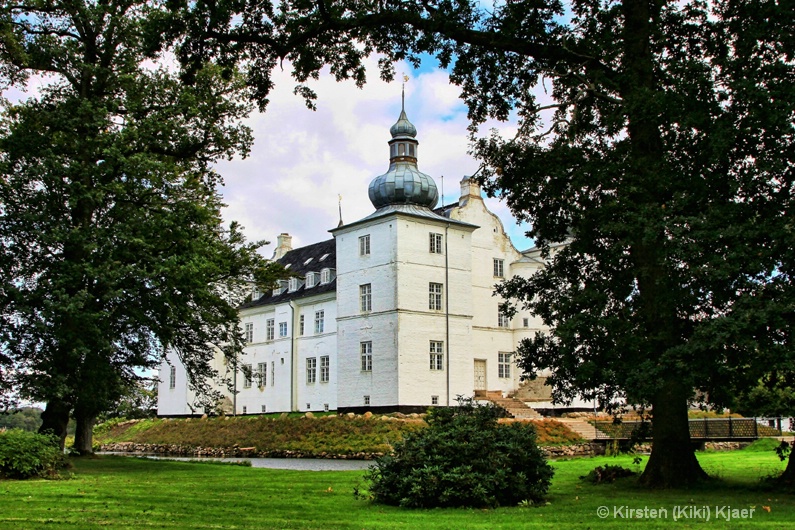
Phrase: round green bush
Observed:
(28, 454)
(463, 458)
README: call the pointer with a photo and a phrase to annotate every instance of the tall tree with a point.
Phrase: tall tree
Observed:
(661, 154)
(113, 245)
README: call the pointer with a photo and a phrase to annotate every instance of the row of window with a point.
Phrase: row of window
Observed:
(436, 357)
(310, 280)
(435, 246)
(435, 291)
(270, 327)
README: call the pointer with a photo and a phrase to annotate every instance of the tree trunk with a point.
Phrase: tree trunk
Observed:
(788, 477)
(673, 462)
(84, 432)
(55, 419)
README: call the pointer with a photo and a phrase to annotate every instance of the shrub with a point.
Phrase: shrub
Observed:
(608, 473)
(464, 457)
(27, 454)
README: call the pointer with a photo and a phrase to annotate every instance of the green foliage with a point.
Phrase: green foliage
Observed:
(463, 458)
(762, 445)
(26, 454)
(114, 249)
(25, 418)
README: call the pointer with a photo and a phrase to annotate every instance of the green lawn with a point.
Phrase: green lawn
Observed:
(118, 492)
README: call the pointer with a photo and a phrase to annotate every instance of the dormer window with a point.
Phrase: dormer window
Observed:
(282, 285)
(311, 279)
(294, 284)
(326, 275)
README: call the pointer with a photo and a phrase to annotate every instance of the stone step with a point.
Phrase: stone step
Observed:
(515, 408)
(583, 428)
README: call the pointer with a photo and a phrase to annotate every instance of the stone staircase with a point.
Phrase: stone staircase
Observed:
(516, 408)
(581, 427)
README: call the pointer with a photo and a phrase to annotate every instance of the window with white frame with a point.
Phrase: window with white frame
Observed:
(366, 349)
(364, 245)
(249, 332)
(310, 279)
(437, 355)
(293, 284)
(246, 376)
(311, 370)
(324, 369)
(269, 329)
(434, 400)
(262, 375)
(273, 373)
(435, 243)
(504, 365)
(502, 319)
(301, 325)
(325, 276)
(526, 322)
(366, 400)
(499, 268)
(319, 321)
(435, 296)
(172, 379)
(282, 329)
(366, 297)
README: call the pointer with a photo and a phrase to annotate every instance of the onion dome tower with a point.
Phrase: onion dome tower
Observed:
(403, 183)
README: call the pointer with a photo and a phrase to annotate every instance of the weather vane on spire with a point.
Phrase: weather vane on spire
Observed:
(403, 92)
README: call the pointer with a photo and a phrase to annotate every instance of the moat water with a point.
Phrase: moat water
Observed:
(298, 464)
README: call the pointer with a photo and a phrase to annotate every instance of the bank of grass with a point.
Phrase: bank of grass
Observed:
(119, 492)
(331, 434)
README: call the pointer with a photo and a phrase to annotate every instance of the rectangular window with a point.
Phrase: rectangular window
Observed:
(325, 276)
(245, 409)
(311, 370)
(319, 321)
(437, 355)
(172, 380)
(246, 376)
(282, 329)
(262, 375)
(366, 349)
(269, 329)
(434, 400)
(435, 296)
(324, 369)
(301, 325)
(311, 278)
(264, 408)
(499, 268)
(364, 245)
(366, 400)
(502, 320)
(273, 372)
(526, 322)
(249, 332)
(435, 243)
(366, 297)
(504, 365)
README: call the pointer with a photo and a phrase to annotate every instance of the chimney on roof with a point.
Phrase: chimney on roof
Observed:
(470, 189)
(284, 244)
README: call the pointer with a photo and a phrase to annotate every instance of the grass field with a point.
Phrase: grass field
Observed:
(119, 492)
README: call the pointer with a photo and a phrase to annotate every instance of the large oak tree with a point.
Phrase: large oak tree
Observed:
(113, 245)
(661, 154)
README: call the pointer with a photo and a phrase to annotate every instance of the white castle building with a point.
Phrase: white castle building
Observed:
(395, 313)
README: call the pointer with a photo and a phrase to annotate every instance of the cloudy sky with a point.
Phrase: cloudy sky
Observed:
(303, 160)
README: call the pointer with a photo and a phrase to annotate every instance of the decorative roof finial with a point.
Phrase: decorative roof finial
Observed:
(403, 93)
(339, 203)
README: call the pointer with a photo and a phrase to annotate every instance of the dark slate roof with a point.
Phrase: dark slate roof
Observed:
(296, 259)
